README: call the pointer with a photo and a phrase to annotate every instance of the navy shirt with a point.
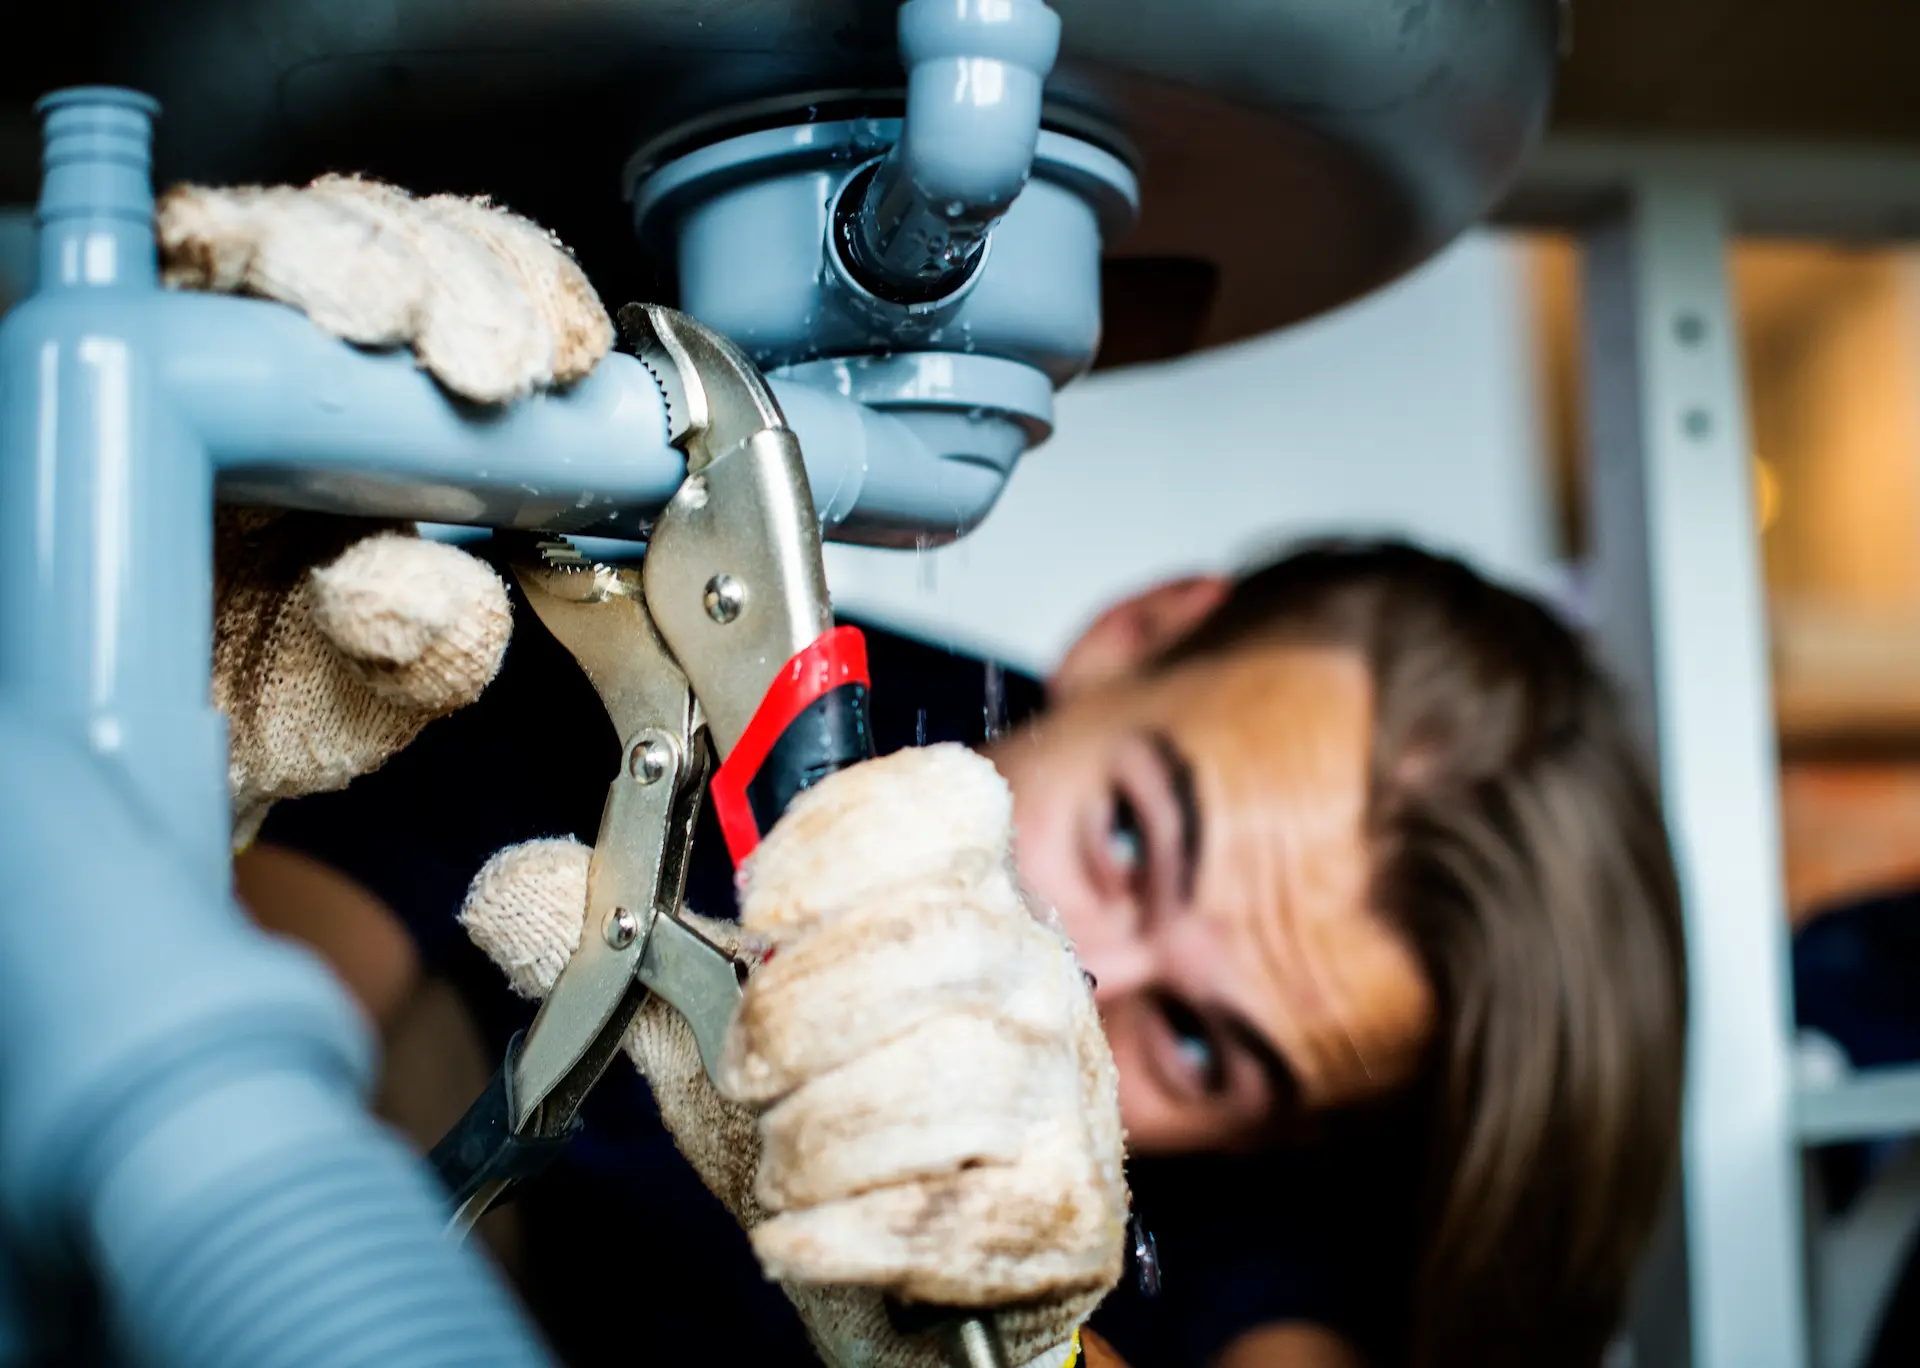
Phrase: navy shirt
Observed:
(624, 1247)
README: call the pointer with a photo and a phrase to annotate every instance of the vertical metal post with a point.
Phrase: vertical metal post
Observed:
(1684, 624)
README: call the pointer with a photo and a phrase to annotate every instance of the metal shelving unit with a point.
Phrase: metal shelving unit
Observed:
(1870, 1105)
(1683, 620)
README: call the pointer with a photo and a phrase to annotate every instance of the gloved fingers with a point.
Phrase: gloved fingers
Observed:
(931, 815)
(944, 1122)
(551, 280)
(299, 720)
(422, 624)
(525, 908)
(307, 726)
(974, 1160)
(477, 331)
(960, 1091)
(324, 673)
(881, 970)
(344, 269)
(493, 307)
(983, 1237)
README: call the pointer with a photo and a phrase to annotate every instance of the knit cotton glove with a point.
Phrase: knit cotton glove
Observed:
(917, 1099)
(336, 639)
(491, 304)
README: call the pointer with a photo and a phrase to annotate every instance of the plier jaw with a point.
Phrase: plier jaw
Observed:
(707, 655)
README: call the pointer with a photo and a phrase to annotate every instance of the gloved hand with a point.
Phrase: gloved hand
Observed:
(917, 1099)
(336, 639)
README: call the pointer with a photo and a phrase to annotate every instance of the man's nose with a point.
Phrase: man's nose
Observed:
(1120, 970)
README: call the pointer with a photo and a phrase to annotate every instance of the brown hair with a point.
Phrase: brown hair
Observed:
(1518, 844)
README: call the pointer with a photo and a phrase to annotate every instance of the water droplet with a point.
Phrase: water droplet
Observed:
(924, 565)
(994, 707)
(1144, 1253)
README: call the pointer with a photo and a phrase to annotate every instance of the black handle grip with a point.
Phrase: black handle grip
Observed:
(482, 1148)
(830, 734)
(811, 723)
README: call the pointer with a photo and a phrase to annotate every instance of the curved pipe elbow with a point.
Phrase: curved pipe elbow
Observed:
(126, 978)
(975, 72)
(181, 1110)
(901, 476)
(931, 476)
(952, 468)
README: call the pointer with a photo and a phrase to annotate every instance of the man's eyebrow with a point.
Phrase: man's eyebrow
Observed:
(1283, 1087)
(1180, 779)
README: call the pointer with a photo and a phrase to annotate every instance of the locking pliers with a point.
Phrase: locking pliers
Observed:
(720, 667)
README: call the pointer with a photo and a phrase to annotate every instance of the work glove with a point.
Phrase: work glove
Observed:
(916, 1097)
(338, 639)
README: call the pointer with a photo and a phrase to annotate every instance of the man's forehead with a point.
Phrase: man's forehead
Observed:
(1272, 675)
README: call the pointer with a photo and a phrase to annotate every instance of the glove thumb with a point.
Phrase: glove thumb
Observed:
(424, 625)
(525, 908)
(527, 904)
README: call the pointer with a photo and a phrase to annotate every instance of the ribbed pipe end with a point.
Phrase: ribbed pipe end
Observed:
(95, 214)
(330, 1253)
(97, 153)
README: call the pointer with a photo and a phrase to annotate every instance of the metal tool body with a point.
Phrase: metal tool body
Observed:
(634, 883)
(722, 646)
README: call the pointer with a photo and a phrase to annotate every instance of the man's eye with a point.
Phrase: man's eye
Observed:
(1126, 846)
(1194, 1039)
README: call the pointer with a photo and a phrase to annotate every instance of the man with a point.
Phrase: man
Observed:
(1359, 829)
(1379, 916)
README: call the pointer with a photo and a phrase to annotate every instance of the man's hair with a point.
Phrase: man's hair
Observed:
(1517, 843)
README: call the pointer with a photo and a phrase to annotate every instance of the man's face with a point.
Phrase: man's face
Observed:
(1199, 831)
